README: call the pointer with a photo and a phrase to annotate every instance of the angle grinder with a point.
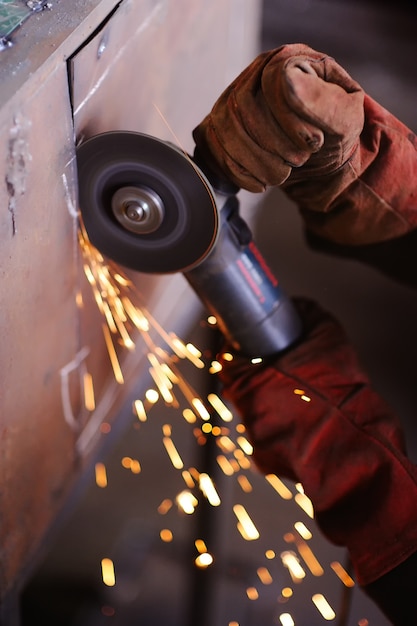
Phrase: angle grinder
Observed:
(148, 206)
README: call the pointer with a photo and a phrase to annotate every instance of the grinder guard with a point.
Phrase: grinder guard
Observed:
(147, 206)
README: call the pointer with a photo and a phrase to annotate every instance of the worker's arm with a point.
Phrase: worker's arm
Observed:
(313, 417)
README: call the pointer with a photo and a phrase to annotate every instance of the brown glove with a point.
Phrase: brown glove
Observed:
(295, 118)
(313, 417)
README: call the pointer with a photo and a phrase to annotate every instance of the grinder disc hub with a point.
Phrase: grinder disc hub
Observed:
(144, 203)
(139, 209)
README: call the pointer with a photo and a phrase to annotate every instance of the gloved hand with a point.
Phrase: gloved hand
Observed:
(295, 118)
(313, 417)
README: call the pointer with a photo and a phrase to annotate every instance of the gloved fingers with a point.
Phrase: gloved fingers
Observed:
(318, 106)
(324, 104)
(304, 133)
(277, 113)
(242, 139)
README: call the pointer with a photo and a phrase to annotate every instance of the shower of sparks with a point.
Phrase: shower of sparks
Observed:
(125, 323)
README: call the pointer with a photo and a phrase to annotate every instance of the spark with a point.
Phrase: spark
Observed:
(225, 465)
(136, 315)
(323, 606)
(113, 356)
(89, 399)
(264, 575)
(245, 525)
(215, 367)
(286, 619)
(244, 484)
(107, 571)
(226, 444)
(189, 416)
(252, 593)
(101, 475)
(132, 464)
(152, 396)
(188, 479)
(302, 530)
(79, 300)
(207, 487)
(341, 573)
(204, 560)
(200, 408)
(292, 563)
(161, 380)
(166, 535)
(243, 460)
(302, 394)
(165, 506)
(173, 453)
(279, 486)
(245, 445)
(200, 545)
(305, 503)
(219, 406)
(306, 553)
(139, 408)
(186, 501)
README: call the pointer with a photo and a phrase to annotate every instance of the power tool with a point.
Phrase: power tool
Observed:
(153, 208)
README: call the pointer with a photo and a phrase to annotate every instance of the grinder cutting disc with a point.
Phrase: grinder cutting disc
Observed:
(144, 203)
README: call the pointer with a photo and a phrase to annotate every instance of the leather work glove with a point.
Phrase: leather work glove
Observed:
(295, 118)
(313, 417)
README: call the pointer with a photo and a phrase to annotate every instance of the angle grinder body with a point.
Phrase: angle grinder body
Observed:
(151, 208)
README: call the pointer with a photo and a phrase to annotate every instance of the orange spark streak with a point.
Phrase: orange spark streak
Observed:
(113, 356)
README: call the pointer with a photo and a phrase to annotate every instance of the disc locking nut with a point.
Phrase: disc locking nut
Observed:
(138, 209)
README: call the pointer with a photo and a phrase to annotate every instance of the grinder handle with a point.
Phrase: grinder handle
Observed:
(237, 286)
